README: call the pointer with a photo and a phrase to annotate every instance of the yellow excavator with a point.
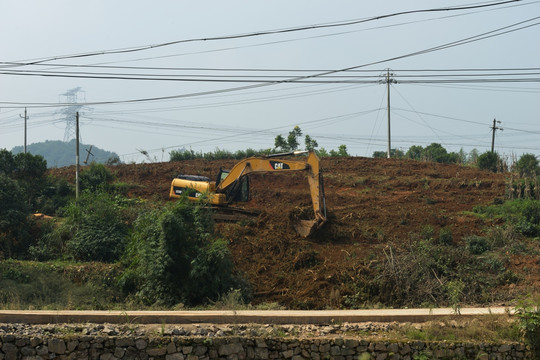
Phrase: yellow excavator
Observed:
(233, 186)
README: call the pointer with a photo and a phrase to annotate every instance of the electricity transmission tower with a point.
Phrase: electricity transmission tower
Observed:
(72, 101)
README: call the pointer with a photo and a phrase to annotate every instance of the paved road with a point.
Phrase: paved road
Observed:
(241, 316)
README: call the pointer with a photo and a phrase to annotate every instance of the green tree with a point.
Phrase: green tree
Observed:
(473, 156)
(30, 172)
(462, 156)
(379, 154)
(341, 151)
(97, 225)
(394, 153)
(95, 177)
(13, 214)
(173, 257)
(527, 165)
(435, 152)
(281, 143)
(311, 144)
(415, 152)
(292, 139)
(488, 161)
(322, 152)
(292, 142)
(7, 163)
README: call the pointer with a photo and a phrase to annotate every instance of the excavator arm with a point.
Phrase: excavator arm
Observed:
(272, 163)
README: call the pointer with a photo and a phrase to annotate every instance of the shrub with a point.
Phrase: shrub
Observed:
(96, 177)
(445, 236)
(172, 257)
(181, 155)
(427, 273)
(51, 242)
(98, 228)
(7, 163)
(528, 313)
(476, 245)
(527, 165)
(55, 195)
(488, 161)
(524, 215)
(13, 213)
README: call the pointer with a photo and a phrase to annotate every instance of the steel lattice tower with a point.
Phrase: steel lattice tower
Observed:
(68, 113)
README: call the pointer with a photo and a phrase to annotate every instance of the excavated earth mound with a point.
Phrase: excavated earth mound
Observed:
(370, 202)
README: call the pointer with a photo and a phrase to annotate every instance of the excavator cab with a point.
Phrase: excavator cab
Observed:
(238, 191)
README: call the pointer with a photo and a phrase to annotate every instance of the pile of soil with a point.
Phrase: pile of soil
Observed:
(370, 203)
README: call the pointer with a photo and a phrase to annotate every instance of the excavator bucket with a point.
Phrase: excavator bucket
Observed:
(305, 228)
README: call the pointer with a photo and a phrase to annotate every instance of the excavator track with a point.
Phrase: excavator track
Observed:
(233, 214)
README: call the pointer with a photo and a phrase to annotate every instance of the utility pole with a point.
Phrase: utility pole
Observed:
(77, 156)
(25, 120)
(388, 82)
(88, 155)
(493, 129)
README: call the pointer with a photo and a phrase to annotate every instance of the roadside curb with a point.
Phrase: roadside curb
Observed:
(244, 316)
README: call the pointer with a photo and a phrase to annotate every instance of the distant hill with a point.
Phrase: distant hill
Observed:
(60, 154)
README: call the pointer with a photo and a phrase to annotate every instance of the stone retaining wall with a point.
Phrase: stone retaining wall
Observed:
(38, 347)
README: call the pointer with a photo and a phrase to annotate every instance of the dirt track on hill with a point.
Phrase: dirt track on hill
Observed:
(371, 203)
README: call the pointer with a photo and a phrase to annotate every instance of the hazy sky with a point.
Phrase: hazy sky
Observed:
(455, 71)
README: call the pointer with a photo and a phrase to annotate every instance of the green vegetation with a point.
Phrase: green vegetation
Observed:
(435, 270)
(291, 143)
(172, 257)
(527, 165)
(431, 273)
(522, 215)
(218, 154)
(489, 161)
(96, 177)
(107, 251)
(528, 313)
(169, 255)
(58, 285)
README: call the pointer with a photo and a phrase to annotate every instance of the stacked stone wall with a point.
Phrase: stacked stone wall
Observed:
(78, 346)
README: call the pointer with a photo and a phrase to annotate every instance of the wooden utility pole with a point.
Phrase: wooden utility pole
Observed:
(389, 147)
(493, 129)
(88, 155)
(388, 82)
(25, 120)
(77, 157)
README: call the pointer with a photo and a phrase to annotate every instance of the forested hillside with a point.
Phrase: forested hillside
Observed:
(59, 153)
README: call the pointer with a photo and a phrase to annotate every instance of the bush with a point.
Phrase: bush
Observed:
(7, 163)
(96, 177)
(488, 161)
(172, 257)
(476, 245)
(98, 227)
(528, 313)
(55, 195)
(181, 155)
(527, 165)
(427, 273)
(13, 214)
(524, 215)
(445, 236)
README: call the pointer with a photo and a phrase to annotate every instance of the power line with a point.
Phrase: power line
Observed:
(266, 32)
(482, 36)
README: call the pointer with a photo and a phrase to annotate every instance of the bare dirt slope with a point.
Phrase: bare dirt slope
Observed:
(371, 202)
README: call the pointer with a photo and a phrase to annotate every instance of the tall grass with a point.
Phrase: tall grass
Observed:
(34, 285)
